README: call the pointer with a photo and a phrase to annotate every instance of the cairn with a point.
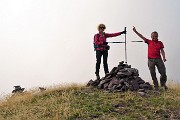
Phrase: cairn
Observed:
(121, 78)
(42, 89)
(18, 89)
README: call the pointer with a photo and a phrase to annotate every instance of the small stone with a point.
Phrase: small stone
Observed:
(142, 93)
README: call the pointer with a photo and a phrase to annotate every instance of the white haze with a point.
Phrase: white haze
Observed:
(49, 42)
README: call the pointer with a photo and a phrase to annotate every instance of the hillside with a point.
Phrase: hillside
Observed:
(77, 102)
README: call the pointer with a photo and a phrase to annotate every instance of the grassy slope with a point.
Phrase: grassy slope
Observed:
(77, 102)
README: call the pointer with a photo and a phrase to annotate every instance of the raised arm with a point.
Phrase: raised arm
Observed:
(113, 34)
(163, 55)
(141, 36)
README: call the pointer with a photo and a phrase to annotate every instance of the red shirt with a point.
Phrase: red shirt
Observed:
(154, 48)
(99, 39)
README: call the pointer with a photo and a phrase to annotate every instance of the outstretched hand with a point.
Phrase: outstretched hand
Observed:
(123, 32)
(105, 43)
(134, 29)
(164, 59)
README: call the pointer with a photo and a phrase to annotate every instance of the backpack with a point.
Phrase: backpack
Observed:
(95, 46)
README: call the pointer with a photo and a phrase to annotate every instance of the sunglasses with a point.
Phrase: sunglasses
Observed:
(102, 27)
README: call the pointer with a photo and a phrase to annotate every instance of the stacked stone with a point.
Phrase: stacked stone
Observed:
(18, 89)
(121, 78)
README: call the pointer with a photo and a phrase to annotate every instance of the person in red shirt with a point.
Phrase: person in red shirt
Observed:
(155, 47)
(102, 47)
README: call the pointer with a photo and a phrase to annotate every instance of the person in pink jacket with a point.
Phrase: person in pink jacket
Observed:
(102, 47)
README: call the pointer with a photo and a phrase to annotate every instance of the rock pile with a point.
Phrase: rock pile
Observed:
(18, 89)
(121, 78)
(42, 89)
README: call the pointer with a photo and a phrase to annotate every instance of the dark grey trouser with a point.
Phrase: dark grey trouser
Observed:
(99, 54)
(161, 69)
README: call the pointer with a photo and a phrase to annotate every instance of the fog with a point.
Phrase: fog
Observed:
(50, 42)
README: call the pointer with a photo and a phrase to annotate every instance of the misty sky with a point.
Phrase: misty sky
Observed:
(50, 42)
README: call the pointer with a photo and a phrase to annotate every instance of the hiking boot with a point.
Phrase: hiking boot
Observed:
(165, 87)
(106, 73)
(156, 88)
(97, 77)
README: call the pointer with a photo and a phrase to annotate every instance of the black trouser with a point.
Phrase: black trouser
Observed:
(100, 53)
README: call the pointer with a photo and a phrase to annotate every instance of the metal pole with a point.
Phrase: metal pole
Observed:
(126, 42)
(137, 41)
(125, 47)
(116, 42)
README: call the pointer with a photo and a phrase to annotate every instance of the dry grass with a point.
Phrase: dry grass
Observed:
(70, 102)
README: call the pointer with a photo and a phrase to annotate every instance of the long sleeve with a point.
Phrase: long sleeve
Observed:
(112, 34)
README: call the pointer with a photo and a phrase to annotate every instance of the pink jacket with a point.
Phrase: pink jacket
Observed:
(99, 39)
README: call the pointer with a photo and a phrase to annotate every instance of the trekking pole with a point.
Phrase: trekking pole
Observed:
(125, 47)
(116, 42)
